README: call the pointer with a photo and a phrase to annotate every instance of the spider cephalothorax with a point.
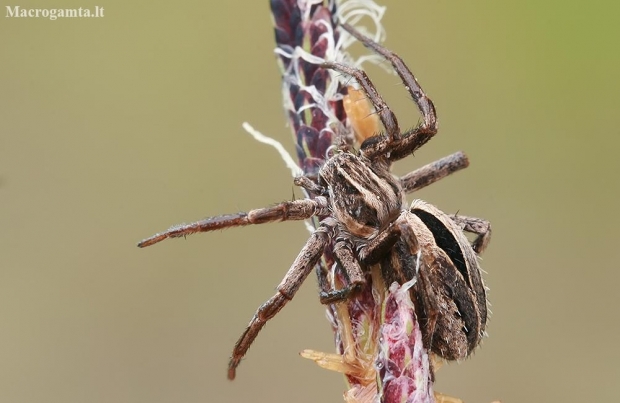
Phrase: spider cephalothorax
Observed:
(364, 197)
(367, 224)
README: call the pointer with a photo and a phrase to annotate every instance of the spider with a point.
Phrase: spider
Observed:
(367, 223)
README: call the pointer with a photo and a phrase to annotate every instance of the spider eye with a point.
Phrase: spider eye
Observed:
(370, 141)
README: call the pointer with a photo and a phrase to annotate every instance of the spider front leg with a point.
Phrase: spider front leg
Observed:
(293, 210)
(477, 226)
(385, 114)
(301, 267)
(415, 138)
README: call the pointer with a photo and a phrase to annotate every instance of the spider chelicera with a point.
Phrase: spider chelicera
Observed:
(367, 223)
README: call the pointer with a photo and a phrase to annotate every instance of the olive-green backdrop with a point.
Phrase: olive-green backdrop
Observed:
(114, 128)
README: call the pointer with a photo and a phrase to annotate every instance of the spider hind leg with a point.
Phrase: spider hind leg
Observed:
(478, 226)
(301, 267)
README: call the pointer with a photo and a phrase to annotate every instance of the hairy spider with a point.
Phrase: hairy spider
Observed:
(368, 223)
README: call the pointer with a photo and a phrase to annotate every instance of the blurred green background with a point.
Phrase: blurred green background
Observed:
(115, 128)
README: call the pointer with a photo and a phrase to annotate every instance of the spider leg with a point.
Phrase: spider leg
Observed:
(433, 172)
(413, 139)
(310, 185)
(411, 83)
(378, 247)
(368, 253)
(291, 210)
(438, 170)
(477, 226)
(301, 267)
(385, 114)
(354, 276)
